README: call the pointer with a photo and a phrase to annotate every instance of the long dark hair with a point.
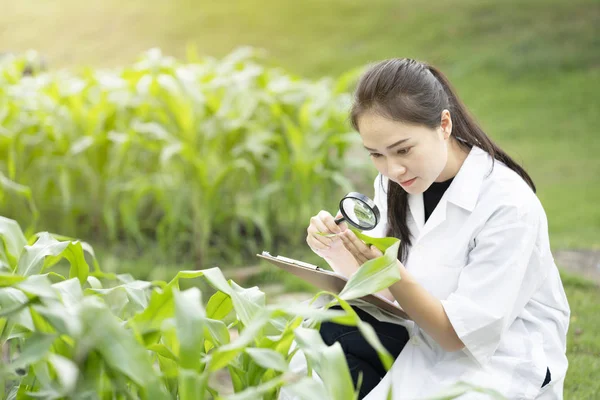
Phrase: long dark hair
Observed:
(410, 91)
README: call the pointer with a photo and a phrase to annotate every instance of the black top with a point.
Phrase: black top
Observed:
(433, 194)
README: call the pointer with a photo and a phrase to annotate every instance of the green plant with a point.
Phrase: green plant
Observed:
(89, 334)
(200, 157)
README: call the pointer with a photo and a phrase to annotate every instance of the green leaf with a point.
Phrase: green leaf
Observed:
(257, 392)
(307, 388)
(131, 296)
(117, 346)
(32, 260)
(329, 362)
(317, 313)
(268, 358)
(69, 291)
(221, 356)
(63, 319)
(216, 332)
(12, 242)
(15, 301)
(34, 349)
(219, 306)
(163, 351)
(79, 266)
(369, 334)
(20, 190)
(189, 322)
(160, 307)
(66, 372)
(247, 302)
(192, 385)
(376, 274)
(10, 311)
(94, 282)
(214, 276)
(383, 244)
(38, 285)
(10, 280)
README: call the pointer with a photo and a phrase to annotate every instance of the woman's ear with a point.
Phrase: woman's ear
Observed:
(446, 124)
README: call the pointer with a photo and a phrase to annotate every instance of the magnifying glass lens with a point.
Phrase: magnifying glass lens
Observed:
(359, 211)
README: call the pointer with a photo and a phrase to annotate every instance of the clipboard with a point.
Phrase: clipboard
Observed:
(328, 280)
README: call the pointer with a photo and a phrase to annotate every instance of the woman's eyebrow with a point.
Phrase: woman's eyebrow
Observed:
(390, 146)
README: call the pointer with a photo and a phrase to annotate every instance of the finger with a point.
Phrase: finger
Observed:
(361, 247)
(376, 251)
(329, 222)
(319, 224)
(353, 249)
(359, 244)
(314, 237)
(315, 244)
(316, 225)
(343, 225)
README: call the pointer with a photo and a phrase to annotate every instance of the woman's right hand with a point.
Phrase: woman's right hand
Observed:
(327, 247)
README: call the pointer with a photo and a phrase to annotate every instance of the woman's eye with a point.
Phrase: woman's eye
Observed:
(375, 155)
(404, 151)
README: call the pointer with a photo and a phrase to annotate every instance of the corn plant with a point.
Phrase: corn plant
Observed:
(73, 331)
(201, 158)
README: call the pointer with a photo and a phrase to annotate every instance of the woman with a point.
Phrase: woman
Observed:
(478, 278)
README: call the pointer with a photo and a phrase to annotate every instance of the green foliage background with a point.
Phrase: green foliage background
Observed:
(529, 70)
(211, 159)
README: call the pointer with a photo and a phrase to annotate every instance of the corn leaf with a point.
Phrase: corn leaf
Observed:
(376, 274)
(329, 362)
(189, 322)
(267, 358)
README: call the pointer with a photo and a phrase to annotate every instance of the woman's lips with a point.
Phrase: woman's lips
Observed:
(408, 182)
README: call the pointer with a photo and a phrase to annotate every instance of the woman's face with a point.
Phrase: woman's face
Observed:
(414, 156)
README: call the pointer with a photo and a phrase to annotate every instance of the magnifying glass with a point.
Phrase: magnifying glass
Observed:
(359, 211)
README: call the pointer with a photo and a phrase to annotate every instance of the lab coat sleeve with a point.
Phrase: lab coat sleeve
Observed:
(502, 273)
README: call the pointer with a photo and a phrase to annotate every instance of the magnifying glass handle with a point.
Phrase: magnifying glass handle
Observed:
(340, 219)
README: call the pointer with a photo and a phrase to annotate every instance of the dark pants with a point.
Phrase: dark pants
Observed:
(361, 357)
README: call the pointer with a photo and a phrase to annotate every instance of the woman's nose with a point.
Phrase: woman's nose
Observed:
(396, 170)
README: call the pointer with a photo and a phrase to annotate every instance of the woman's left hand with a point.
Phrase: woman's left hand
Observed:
(359, 249)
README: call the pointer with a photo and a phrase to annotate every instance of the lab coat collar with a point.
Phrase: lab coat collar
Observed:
(463, 192)
(466, 186)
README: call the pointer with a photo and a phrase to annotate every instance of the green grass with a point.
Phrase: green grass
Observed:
(583, 341)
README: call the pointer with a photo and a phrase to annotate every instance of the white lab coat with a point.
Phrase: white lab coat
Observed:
(485, 253)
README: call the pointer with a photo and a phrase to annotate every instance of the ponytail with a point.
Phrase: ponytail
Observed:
(467, 130)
